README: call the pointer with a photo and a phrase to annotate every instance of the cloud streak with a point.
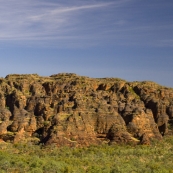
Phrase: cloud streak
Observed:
(76, 22)
(34, 20)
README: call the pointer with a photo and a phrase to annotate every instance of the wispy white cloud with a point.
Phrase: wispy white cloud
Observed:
(75, 22)
(165, 43)
(27, 20)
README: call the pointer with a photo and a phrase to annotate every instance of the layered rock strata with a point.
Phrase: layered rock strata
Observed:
(72, 110)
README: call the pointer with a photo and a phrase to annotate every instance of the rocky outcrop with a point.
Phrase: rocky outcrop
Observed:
(72, 110)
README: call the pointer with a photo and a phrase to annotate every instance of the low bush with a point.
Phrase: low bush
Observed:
(94, 159)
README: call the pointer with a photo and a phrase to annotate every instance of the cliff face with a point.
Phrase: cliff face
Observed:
(66, 109)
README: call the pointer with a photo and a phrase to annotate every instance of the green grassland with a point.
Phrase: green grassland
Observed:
(21, 158)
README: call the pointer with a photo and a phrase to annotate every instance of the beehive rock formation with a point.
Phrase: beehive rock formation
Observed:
(72, 110)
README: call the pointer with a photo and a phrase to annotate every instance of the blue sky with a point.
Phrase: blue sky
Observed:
(129, 39)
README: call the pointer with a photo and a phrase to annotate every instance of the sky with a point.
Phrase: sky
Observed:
(128, 39)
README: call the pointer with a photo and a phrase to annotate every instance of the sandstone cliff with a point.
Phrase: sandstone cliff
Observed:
(67, 109)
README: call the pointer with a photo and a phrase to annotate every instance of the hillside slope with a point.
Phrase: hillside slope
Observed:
(72, 110)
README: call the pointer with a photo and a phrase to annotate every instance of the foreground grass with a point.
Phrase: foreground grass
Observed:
(95, 159)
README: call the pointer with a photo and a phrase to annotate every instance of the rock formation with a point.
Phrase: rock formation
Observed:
(72, 110)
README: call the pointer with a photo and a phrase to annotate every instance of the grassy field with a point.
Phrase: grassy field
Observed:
(157, 158)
